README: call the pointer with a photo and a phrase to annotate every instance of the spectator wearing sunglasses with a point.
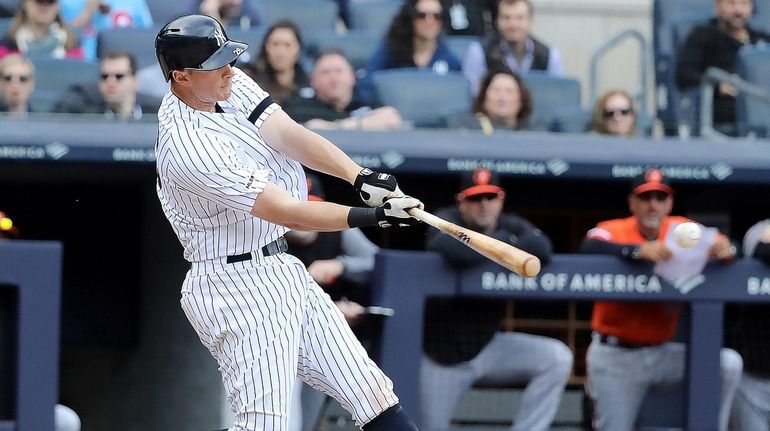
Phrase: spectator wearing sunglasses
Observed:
(414, 40)
(614, 114)
(116, 94)
(17, 80)
(38, 31)
(631, 349)
(462, 342)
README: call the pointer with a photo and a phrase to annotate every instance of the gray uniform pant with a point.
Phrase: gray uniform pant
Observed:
(619, 378)
(510, 357)
(751, 407)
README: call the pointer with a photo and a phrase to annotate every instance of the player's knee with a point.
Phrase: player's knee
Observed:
(561, 359)
(732, 364)
(392, 419)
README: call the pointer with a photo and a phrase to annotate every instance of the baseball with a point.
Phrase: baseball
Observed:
(687, 234)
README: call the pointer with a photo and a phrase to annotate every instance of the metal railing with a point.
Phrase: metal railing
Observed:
(641, 95)
(715, 76)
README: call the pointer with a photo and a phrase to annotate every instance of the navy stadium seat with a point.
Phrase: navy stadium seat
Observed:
(373, 16)
(163, 11)
(571, 119)
(53, 77)
(752, 114)
(357, 45)
(423, 97)
(459, 44)
(5, 25)
(137, 41)
(11, 5)
(253, 37)
(761, 18)
(311, 16)
(665, 13)
(550, 93)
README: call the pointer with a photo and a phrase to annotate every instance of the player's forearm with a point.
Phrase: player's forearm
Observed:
(317, 153)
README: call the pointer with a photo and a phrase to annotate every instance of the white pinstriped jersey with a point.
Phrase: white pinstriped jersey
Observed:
(211, 166)
(263, 319)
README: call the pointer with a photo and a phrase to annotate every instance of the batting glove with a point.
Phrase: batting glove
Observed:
(393, 212)
(375, 187)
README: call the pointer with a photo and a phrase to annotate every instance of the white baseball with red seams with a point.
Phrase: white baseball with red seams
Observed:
(687, 234)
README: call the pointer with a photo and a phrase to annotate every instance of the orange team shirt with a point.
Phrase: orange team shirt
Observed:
(637, 322)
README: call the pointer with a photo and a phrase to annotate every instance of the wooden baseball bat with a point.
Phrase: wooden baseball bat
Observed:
(512, 258)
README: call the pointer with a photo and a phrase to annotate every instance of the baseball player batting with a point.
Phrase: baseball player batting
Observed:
(230, 182)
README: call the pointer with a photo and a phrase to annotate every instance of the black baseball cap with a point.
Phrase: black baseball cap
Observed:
(480, 181)
(651, 180)
(315, 191)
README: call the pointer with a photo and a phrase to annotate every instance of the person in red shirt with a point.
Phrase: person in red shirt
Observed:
(631, 350)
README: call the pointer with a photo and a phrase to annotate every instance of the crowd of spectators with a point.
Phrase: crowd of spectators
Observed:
(502, 40)
(464, 345)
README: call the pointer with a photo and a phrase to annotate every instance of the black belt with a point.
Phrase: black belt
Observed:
(278, 246)
(614, 341)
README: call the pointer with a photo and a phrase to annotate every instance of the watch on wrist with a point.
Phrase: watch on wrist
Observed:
(636, 253)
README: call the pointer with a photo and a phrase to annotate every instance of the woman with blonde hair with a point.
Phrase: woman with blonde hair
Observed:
(38, 31)
(614, 114)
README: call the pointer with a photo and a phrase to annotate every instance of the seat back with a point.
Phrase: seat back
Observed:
(53, 77)
(753, 115)
(357, 45)
(665, 14)
(163, 11)
(423, 97)
(459, 44)
(550, 93)
(140, 42)
(761, 18)
(311, 16)
(373, 16)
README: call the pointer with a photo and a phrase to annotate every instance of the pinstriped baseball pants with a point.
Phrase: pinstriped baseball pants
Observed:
(266, 321)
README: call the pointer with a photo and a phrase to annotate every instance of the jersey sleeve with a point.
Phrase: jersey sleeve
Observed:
(250, 99)
(211, 167)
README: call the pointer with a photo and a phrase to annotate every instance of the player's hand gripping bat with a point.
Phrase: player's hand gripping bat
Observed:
(517, 260)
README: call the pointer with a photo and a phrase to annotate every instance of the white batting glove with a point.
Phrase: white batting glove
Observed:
(393, 212)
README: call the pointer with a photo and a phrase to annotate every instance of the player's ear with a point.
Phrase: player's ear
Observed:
(180, 77)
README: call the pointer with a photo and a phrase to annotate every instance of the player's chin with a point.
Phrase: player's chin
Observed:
(224, 92)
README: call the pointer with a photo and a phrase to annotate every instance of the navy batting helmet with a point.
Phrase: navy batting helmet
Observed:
(195, 42)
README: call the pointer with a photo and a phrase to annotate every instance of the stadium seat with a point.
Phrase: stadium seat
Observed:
(373, 16)
(5, 24)
(137, 41)
(253, 37)
(752, 114)
(311, 16)
(761, 18)
(11, 5)
(550, 93)
(357, 45)
(459, 44)
(665, 13)
(572, 119)
(163, 11)
(53, 77)
(423, 97)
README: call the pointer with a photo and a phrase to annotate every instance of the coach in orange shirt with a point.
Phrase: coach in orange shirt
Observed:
(631, 349)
